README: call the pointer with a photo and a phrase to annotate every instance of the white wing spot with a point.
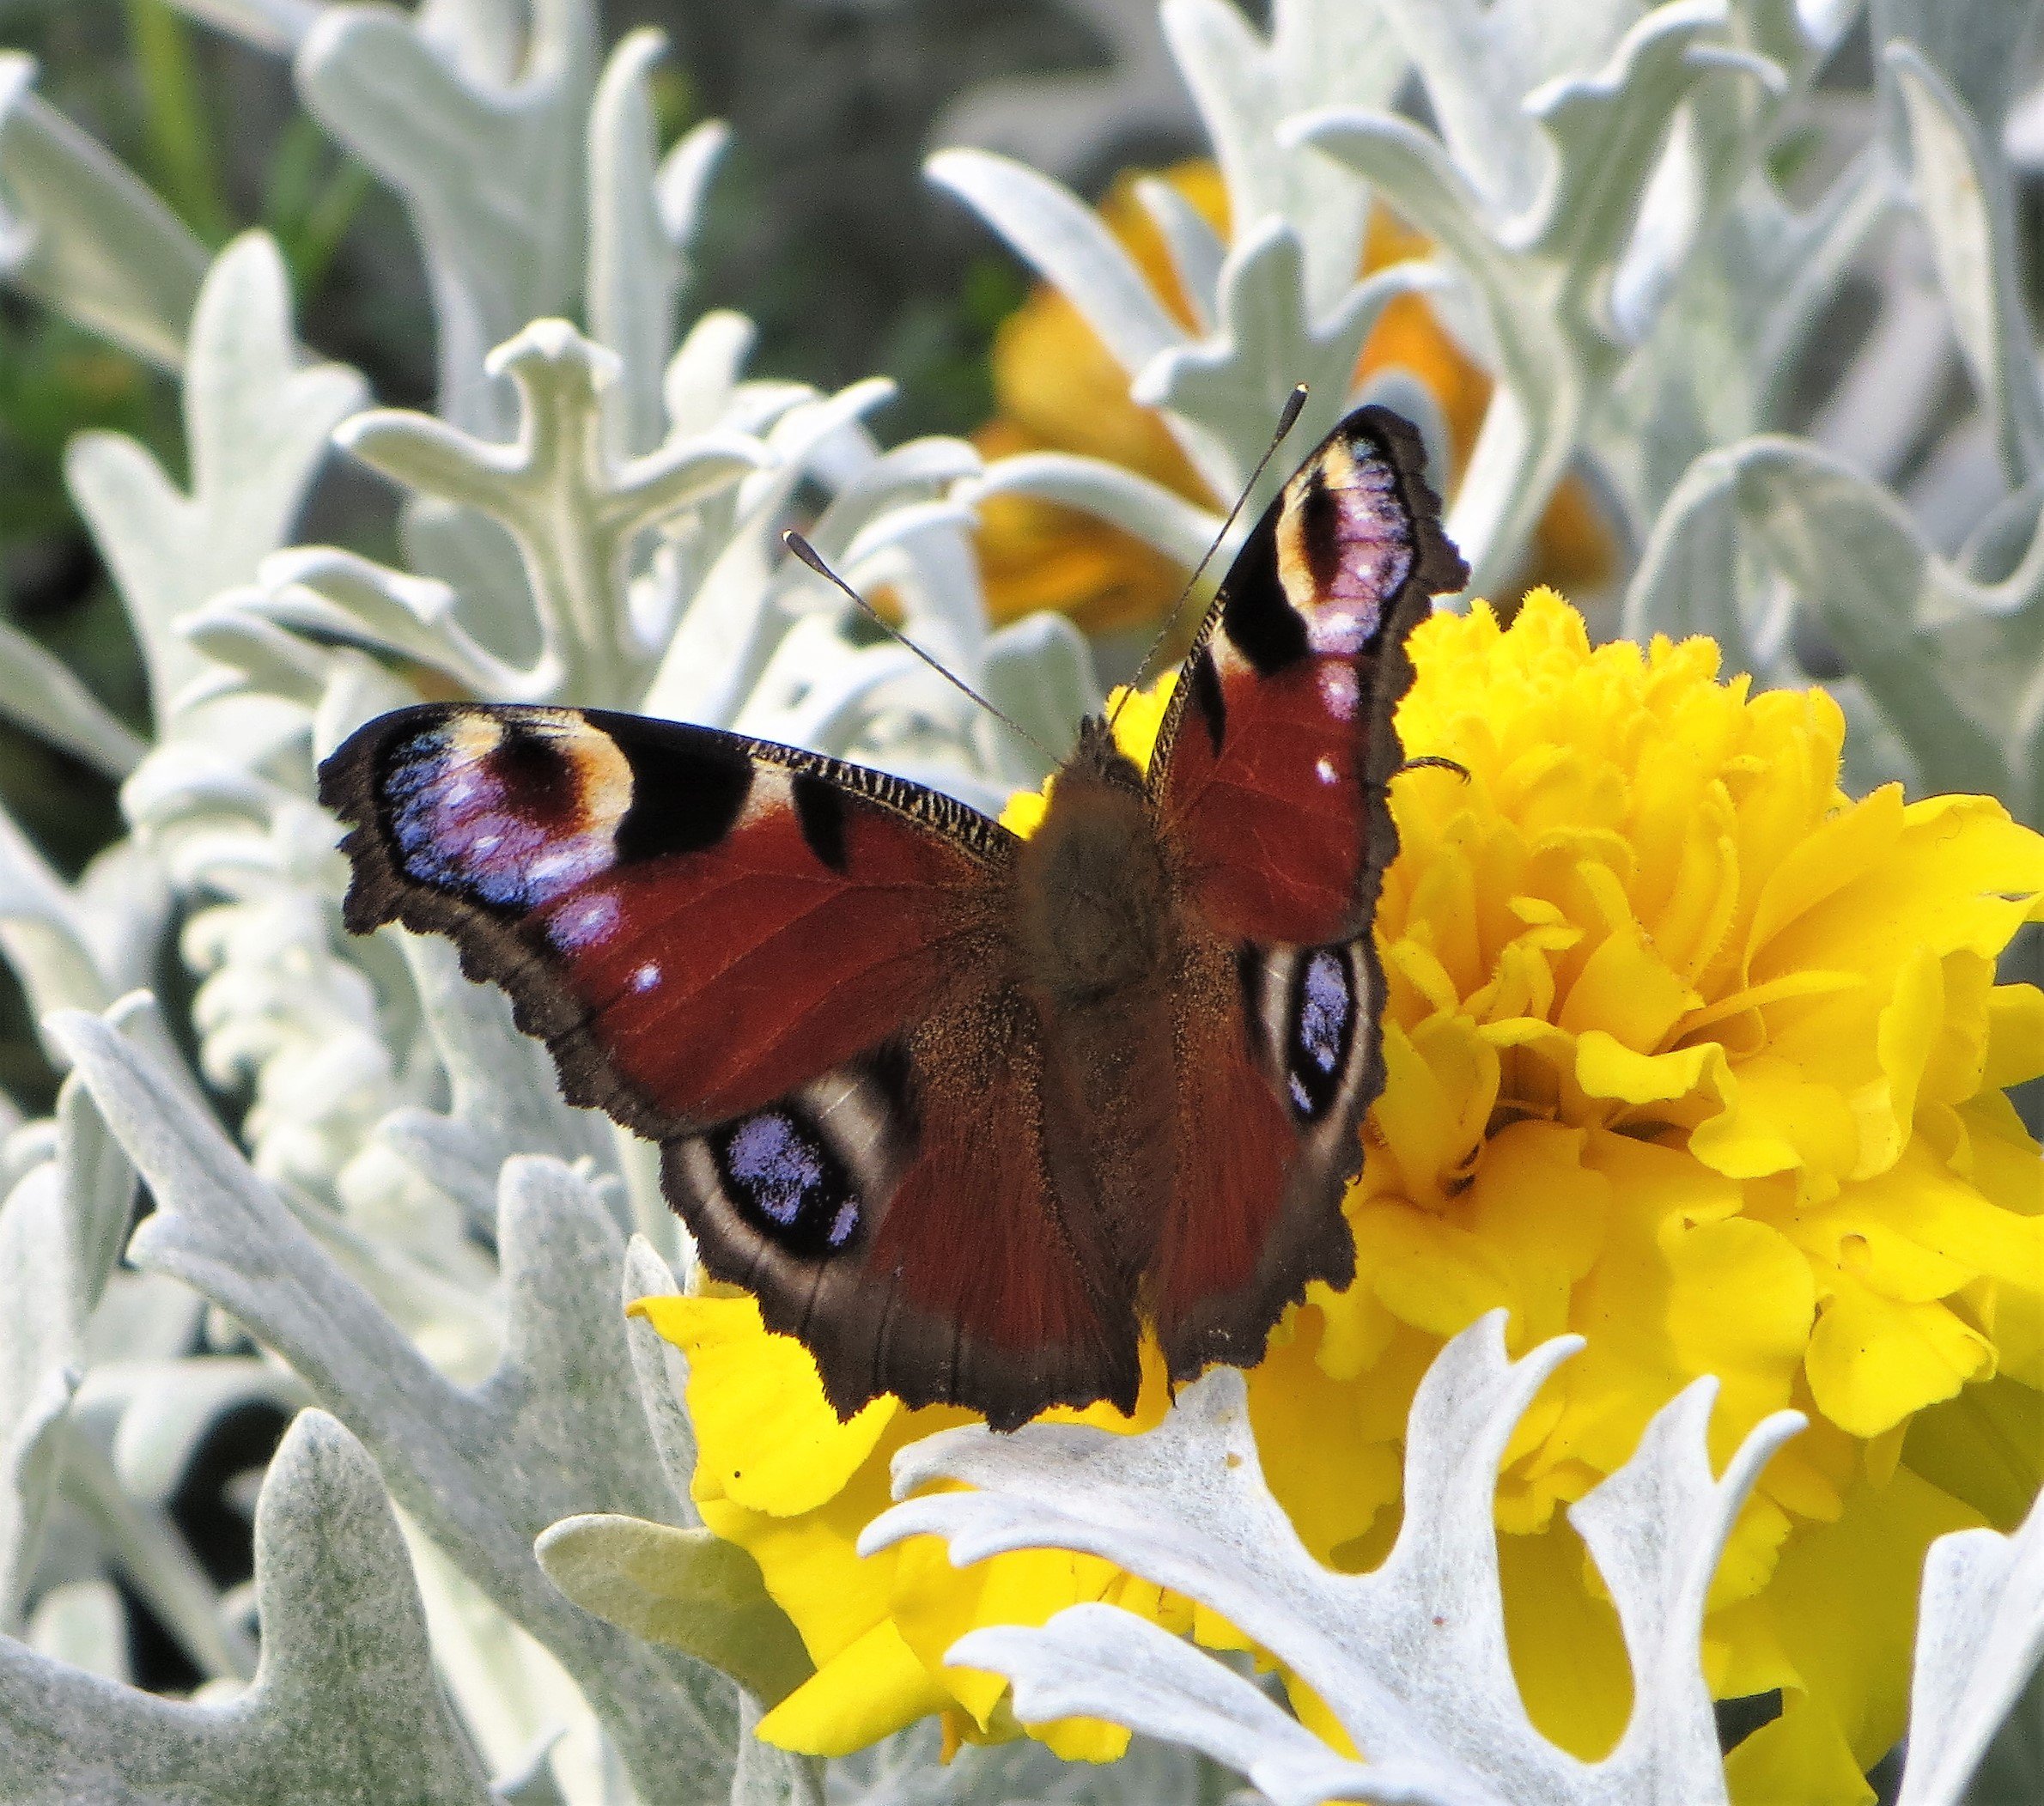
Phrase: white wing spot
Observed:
(647, 977)
(1338, 691)
(1325, 771)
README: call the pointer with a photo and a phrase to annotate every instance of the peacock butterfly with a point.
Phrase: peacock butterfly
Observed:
(965, 1109)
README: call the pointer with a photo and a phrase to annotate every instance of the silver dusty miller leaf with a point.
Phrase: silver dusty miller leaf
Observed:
(257, 428)
(1411, 1659)
(556, 1428)
(343, 1709)
(82, 235)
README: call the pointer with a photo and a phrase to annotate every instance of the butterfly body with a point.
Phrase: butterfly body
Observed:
(968, 1110)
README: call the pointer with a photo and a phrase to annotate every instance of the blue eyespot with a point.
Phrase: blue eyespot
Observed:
(1323, 1016)
(787, 1181)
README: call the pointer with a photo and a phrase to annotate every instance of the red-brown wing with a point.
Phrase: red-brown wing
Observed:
(1269, 776)
(779, 967)
(1279, 1057)
(971, 1287)
(1268, 781)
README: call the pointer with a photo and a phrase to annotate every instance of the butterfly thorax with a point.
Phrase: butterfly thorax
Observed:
(1091, 905)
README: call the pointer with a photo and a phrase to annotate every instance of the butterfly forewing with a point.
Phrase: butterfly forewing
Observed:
(789, 971)
(1268, 781)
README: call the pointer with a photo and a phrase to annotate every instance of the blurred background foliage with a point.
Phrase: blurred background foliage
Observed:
(820, 227)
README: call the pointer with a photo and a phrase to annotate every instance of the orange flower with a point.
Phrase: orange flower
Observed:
(1057, 388)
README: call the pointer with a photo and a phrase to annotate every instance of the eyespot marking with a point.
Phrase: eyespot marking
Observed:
(1323, 1016)
(787, 1182)
(1344, 545)
(509, 812)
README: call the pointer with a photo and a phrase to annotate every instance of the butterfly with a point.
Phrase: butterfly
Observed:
(966, 1110)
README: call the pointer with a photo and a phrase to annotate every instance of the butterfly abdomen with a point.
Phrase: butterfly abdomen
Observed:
(1096, 947)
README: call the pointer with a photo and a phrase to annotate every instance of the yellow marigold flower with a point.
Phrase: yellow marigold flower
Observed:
(1688, 1052)
(1056, 387)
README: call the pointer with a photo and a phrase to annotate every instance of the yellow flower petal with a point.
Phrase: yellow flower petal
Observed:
(1754, 1350)
(768, 1438)
(1335, 1465)
(1777, 1119)
(1873, 1361)
(1800, 1757)
(1567, 1651)
(1847, 1641)
(869, 1691)
(934, 1604)
(1434, 1275)
(2015, 1037)
(1984, 1448)
(1626, 991)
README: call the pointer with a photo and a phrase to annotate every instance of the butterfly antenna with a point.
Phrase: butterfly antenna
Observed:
(814, 559)
(1287, 420)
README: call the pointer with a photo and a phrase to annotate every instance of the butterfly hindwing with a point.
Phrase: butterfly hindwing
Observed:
(1268, 781)
(1285, 1054)
(790, 972)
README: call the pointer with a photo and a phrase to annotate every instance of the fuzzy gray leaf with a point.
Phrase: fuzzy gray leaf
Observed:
(662, 1374)
(505, 1100)
(83, 236)
(1980, 1636)
(1967, 208)
(256, 426)
(1412, 1658)
(574, 507)
(688, 1590)
(1231, 386)
(766, 1776)
(61, 1229)
(1156, 515)
(1317, 55)
(1956, 666)
(492, 174)
(44, 1314)
(344, 1709)
(39, 691)
(1052, 229)
(635, 262)
(555, 1431)
(1537, 240)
